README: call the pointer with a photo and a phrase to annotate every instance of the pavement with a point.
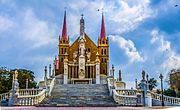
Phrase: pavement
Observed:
(89, 108)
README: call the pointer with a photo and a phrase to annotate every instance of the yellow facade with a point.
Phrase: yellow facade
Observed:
(67, 50)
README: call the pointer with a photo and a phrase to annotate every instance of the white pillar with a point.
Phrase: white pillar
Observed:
(97, 73)
(65, 71)
(149, 100)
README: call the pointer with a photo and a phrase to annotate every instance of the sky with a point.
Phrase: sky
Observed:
(143, 34)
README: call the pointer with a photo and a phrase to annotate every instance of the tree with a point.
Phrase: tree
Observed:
(178, 94)
(23, 74)
(170, 92)
(152, 83)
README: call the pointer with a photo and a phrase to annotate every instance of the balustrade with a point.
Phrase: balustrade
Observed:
(4, 96)
(25, 92)
(171, 100)
(124, 99)
(31, 99)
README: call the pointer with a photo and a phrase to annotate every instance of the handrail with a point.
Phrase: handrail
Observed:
(4, 96)
(168, 99)
(31, 99)
(124, 99)
(51, 86)
(24, 92)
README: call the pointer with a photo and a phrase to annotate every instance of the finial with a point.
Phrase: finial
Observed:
(136, 83)
(120, 78)
(82, 15)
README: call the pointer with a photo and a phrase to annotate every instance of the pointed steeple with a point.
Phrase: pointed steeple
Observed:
(81, 25)
(103, 32)
(64, 29)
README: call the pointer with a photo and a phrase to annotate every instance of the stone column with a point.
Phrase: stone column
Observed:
(72, 72)
(75, 71)
(97, 69)
(143, 86)
(65, 71)
(45, 76)
(108, 74)
(15, 89)
(50, 71)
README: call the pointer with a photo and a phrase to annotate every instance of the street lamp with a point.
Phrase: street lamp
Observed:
(161, 77)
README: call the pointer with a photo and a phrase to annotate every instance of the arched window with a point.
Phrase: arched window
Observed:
(102, 52)
(105, 51)
(102, 60)
(62, 50)
(65, 50)
(105, 60)
(61, 59)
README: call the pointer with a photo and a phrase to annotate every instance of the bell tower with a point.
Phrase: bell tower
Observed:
(103, 49)
(63, 46)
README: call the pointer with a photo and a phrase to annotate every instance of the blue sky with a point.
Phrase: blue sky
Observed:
(144, 34)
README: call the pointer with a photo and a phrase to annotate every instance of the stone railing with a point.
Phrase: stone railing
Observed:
(4, 96)
(124, 99)
(28, 100)
(51, 86)
(26, 96)
(25, 92)
(128, 92)
(167, 99)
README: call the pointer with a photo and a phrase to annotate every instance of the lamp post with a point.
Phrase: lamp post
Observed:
(161, 77)
(113, 74)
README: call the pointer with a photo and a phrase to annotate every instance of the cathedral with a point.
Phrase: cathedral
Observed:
(82, 62)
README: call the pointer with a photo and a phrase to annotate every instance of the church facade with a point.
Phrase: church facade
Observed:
(83, 61)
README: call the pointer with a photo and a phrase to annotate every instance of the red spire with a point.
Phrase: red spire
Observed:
(64, 30)
(103, 32)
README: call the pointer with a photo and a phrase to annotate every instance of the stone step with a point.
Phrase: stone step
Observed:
(79, 95)
(82, 101)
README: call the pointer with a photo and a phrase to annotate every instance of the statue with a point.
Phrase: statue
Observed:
(88, 56)
(82, 47)
(143, 75)
(15, 80)
(75, 56)
(81, 74)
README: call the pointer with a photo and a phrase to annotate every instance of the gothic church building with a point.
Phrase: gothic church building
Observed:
(83, 61)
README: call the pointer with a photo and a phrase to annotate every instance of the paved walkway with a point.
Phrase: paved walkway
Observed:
(89, 108)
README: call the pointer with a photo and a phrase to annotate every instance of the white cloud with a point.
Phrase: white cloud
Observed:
(172, 59)
(128, 47)
(5, 23)
(36, 31)
(163, 45)
(126, 18)
(120, 16)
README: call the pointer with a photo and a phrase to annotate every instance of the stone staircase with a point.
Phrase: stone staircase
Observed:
(79, 95)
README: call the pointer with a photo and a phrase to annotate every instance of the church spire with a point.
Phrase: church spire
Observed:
(64, 29)
(81, 26)
(103, 32)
